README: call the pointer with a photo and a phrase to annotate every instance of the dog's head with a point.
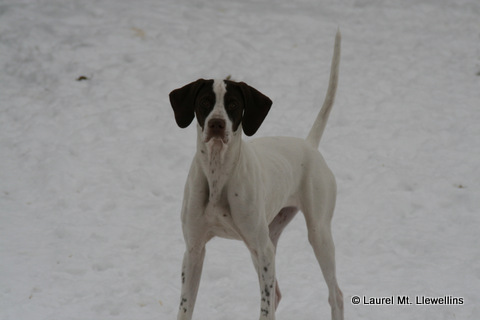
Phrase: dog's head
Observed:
(221, 107)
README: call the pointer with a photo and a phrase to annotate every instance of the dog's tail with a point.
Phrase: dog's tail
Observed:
(316, 132)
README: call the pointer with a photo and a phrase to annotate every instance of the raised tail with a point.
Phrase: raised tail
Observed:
(318, 127)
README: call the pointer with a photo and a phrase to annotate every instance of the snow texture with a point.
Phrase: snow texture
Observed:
(92, 165)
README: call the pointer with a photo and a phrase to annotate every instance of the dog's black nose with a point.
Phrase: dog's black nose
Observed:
(216, 125)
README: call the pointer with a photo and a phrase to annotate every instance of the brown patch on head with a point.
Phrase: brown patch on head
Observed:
(255, 104)
(243, 104)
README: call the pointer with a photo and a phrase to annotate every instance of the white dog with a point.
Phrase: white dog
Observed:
(251, 191)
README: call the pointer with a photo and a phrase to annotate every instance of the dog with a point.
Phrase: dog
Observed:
(250, 191)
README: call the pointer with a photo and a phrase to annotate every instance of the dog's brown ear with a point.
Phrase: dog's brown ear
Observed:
(257, 106)
(183, 102)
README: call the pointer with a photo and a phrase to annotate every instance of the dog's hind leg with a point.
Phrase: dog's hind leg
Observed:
(318, 210)
(320, 238)
(276, 227)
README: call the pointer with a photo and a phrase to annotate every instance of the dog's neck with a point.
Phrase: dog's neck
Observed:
(218, 160)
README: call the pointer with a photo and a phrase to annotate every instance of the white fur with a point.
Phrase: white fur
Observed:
(250, 191)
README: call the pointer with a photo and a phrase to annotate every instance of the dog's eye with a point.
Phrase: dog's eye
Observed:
(232, 105)
(205, 103)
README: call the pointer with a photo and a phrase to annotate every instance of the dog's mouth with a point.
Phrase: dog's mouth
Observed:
(216, 130)
(216, 147)
(215, 139)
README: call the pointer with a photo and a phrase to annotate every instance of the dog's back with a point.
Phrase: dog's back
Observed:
(290, 166)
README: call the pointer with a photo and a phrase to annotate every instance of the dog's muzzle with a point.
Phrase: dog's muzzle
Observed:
(216, 129)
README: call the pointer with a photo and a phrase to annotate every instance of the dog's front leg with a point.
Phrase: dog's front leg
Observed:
(263, 256)
(191, 273)
(196, 237)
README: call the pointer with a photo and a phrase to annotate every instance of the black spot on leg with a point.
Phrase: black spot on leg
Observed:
(265, 312)
(182, 302)
(183, 277)
(267, 291)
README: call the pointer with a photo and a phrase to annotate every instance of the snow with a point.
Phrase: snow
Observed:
(92, 171)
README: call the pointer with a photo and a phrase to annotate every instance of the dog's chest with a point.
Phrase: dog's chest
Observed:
(218, 168)
(220, 221)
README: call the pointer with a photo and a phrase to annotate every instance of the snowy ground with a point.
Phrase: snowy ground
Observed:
(92, 170)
